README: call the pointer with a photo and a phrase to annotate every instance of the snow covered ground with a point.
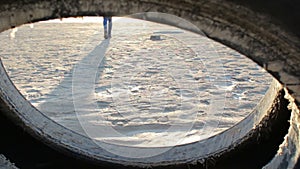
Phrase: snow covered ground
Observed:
(131, 90)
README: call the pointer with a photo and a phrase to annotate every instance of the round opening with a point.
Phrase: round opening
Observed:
(146, 93)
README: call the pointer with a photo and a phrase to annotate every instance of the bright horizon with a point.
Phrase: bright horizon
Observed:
(89, 19)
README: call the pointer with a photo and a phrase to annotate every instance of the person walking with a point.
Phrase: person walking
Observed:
(107, 30)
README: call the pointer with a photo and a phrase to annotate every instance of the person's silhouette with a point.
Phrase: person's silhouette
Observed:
(107, 32)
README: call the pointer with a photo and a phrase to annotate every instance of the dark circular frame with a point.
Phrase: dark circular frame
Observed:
(272, 44)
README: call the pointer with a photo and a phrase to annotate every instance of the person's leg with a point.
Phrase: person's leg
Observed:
(105, 27)
(109, 26)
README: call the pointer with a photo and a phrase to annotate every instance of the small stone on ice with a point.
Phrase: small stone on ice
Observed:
(155, 37)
